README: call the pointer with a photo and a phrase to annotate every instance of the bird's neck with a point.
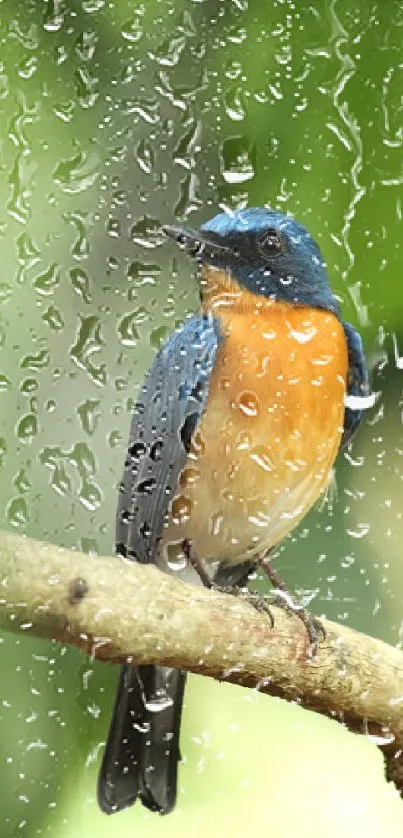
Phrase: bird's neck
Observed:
(223, 297)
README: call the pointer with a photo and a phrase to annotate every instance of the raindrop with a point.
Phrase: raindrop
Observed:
(83, 459)
(145, 156)
(86, 45)
(81, 283)
(143, 273)
(361, 530)
(234, 105)
(17, 512)
(80, 248)
(303, 336)
(183, 154)
(262, 457)
(238, 159)
(89, 415)
(21, 482)
(3, 86)
(3, 450)
(158, 336)
(127, 331)
(158, 703)
(180, 510)
(53, 318)
(188, 477)
(147, 232)
(87, 87)
(175, 557)
(53, 18)
(248, 403)
(5, 291)
(28, 255)
(29, 385)
(77, 173)
(88, 342)
(65, 110)
(132, 30)
(5, 383)
(27, 427)
(360, 402)
(90, 495)
(28, 67)
(114, 439)
(93, 710)
(92, 6)
(169, 51)
(46, 282)
(188, 199)
(147, 486)
(147, 109)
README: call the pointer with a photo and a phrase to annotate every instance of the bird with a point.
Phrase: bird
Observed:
(233, 439)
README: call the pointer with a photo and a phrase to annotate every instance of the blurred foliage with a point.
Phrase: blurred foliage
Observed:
(117, 117)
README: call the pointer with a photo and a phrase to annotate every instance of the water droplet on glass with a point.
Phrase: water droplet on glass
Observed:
(175, 557)
(87, 87)
(361, 402)
(248, 403)
(17, 512)
(147, 232)
(21, 482)
(234, 104)
(127, 331)
(89, 415)
(90, 495)
(77, 173)
(158, 703)
(81, 283)
(27, 427)
(85, 45)
(262, 457)
(5, 383)
(238, 159)
(360, 531)
(132, 29)
(80, 248)
(88, 342)
(53, 18)
(303, 335)
(53, 318)
(145, 156)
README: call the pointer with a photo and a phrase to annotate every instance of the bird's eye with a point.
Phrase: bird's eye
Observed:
(271, 243)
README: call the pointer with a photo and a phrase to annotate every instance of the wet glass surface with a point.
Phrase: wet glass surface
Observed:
(117, 118)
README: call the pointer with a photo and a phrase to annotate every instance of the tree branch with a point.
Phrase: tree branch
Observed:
(115, 609)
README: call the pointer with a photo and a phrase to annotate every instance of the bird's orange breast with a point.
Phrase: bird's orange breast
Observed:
(270, 432)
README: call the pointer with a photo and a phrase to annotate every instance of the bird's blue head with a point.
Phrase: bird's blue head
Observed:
(266, 252)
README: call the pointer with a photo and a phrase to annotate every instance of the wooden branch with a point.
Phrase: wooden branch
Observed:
(117, 610)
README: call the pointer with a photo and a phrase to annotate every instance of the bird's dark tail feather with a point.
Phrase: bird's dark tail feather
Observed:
(142, 750)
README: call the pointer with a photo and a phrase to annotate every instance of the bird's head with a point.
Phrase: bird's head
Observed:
(263, 251)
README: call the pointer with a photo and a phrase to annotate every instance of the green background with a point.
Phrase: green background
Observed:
(117, 117)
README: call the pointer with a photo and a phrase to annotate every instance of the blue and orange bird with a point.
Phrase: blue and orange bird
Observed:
(233, 440)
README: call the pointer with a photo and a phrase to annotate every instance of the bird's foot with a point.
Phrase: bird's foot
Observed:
(259, 601)
(313, 625)
(286, 601)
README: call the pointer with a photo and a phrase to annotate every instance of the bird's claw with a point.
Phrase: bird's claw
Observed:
(257, 600)
(313, 625)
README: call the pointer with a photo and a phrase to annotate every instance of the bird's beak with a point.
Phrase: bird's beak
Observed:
(195, 242)
(191, 240)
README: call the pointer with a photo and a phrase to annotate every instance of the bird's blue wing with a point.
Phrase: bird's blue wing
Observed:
(357, 382)
(166, 415)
